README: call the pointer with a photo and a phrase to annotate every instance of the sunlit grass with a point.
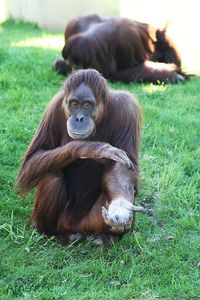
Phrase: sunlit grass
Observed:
(46, 41)
(152, 88)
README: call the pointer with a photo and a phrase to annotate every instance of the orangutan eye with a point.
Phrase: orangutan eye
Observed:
(74, 103)
(88, 104)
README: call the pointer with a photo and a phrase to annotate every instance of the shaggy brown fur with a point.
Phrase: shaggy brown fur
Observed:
(121, 49)
(75, 178)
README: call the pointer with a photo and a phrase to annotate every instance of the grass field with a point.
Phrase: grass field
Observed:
(161, 258)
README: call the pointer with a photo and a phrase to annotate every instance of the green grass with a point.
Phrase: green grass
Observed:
(157, 261)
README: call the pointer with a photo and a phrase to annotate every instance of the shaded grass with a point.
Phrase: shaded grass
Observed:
(157, 261)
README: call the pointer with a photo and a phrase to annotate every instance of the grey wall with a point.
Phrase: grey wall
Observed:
(54, 14)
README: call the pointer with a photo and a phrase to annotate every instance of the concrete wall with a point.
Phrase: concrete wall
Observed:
(3, 10)
(54, 14)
